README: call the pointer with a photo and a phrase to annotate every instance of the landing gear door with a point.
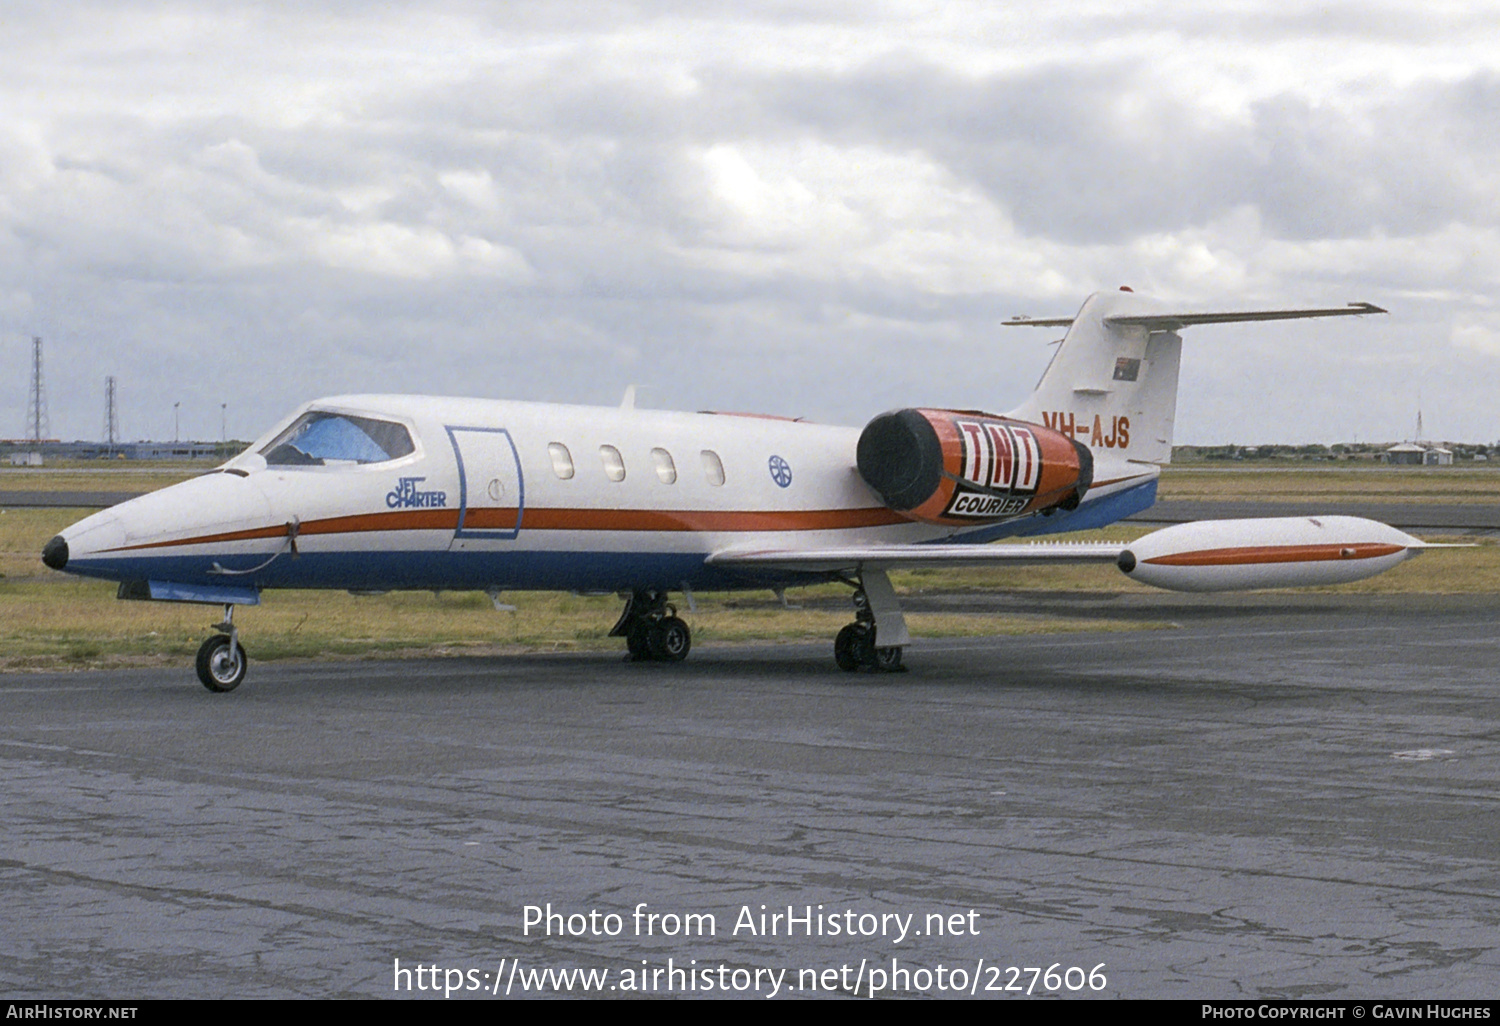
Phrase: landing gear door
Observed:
(491, 495)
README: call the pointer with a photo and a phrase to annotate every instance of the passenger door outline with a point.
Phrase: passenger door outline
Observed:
(486, 458)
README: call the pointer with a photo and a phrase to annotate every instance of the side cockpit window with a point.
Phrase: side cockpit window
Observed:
(324, 439)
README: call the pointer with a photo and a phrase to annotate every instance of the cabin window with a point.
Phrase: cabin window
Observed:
(713, 467)
(319, 439)
(665, 468)
(614, 463)
(562, 460)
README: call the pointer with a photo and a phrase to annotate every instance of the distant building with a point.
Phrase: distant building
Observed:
(153, 450)
(1412, 454)
(121, 450)
(1407, 454)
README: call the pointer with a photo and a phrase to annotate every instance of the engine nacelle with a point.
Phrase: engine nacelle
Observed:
(955, 468)
(1276, 552)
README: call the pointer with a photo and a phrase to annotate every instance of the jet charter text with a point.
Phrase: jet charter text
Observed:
(790, 921)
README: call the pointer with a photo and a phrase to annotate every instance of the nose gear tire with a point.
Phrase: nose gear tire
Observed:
(221, 663)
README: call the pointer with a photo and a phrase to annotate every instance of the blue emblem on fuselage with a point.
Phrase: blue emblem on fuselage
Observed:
(781, 471)
(407, 496)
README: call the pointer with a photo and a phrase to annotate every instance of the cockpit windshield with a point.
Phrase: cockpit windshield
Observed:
(319, 439)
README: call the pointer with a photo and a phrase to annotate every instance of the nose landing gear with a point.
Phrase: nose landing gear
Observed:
(652, 630)
(221, 659)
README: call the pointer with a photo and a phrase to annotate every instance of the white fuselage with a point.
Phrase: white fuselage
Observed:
(514, 495)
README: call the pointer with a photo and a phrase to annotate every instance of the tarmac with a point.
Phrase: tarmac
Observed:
(1253, 797)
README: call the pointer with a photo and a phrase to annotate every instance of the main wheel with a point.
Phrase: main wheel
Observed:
(638, 641)
(853, 646)
(221, 663)
(670, 640)
(888, 660)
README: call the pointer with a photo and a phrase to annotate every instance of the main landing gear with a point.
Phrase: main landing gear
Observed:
(221, 659)
(856, 648)
(651, 629)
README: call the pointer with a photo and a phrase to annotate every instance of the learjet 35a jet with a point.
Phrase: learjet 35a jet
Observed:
(371, 493)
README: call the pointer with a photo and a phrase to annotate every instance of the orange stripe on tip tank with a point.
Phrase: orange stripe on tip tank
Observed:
(1276, 554)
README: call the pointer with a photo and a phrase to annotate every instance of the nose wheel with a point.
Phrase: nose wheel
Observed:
(221, 663)
(221, 659)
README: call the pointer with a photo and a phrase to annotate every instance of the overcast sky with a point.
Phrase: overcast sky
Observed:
(815, 209)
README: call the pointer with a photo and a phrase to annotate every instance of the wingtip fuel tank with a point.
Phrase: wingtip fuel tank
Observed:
(1274, 552)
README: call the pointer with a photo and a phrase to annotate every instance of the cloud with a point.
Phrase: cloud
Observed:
(1105, 153)
(1478, 332)
(812, 210)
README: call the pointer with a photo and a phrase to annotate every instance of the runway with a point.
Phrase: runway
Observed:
(1267, 797)
(40, 499)
(1455, 518)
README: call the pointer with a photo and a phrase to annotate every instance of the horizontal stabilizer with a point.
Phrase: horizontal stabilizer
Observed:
(1174, 321)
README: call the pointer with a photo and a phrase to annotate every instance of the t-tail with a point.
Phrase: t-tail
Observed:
(1100, 421)
(1112, 384)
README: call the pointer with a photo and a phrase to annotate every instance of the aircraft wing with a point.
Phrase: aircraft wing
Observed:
(1174, 321)
(891, 557)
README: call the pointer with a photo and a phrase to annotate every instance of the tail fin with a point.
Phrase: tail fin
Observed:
(1112, 384)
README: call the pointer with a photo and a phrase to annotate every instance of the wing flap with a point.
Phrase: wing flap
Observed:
(893, 557)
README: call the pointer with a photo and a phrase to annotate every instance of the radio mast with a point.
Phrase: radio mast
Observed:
(37, 427)
(111, 415)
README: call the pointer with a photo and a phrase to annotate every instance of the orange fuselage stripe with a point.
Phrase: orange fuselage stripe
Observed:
(550, 519)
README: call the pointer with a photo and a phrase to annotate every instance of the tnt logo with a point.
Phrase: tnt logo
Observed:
(1000, 456)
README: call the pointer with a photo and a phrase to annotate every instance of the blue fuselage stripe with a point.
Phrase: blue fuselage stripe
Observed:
(457, 571)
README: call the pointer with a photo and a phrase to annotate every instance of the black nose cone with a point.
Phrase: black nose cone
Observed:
(55, 553)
